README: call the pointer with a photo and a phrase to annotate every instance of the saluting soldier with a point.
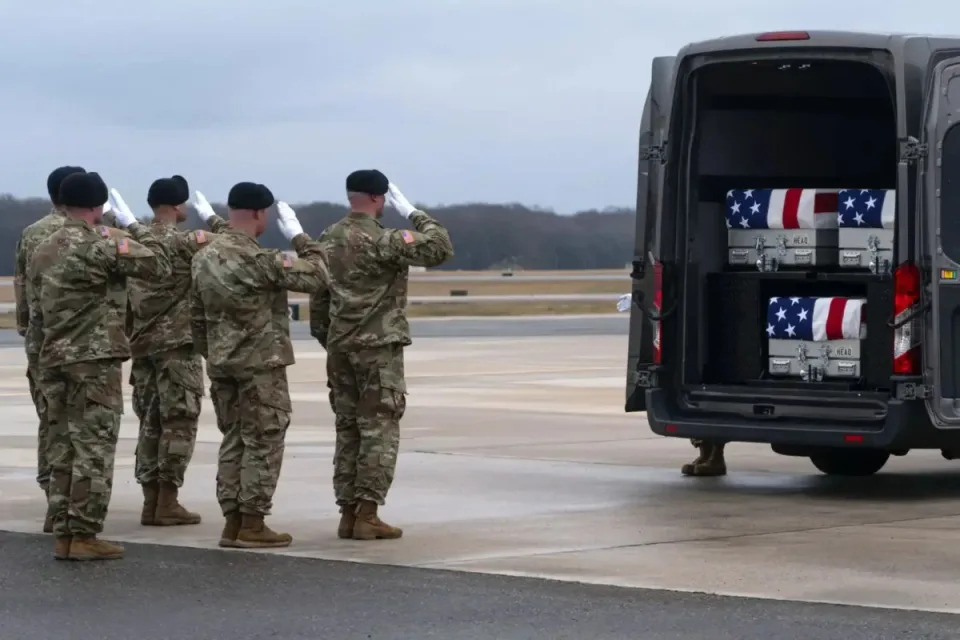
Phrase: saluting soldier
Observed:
(32, 236)
(167, 373)
(241, 326)
(361, 322)
(76, 289)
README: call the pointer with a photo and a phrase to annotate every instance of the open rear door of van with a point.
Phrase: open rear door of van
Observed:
(940, 194)
(654, 125)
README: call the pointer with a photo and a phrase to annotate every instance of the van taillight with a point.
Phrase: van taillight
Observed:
(658, 307)
(906, 338)
(775, 36)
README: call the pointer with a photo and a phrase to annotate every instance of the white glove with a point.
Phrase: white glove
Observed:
(204, 210)
(624, 302)
(124, 216)
(287, 221)
(399, 202)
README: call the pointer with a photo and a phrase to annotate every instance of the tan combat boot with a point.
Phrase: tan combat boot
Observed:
(689, 469)
(348, 516)
(370, 527)
(61, 549)
(150, 492)
(254, 534)
(92, 548)
(713, 463)
(231, 527)
(169, 510)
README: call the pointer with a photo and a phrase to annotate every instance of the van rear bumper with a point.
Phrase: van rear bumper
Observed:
(905, 425)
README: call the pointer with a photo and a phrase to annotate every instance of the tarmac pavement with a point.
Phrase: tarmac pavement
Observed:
(516, 460)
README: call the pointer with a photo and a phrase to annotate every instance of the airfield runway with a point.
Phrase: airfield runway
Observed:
(520, 479)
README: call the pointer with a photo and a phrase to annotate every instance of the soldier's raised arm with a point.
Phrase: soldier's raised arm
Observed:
(320, 316)
(307, 273)
(136, 252)
(215, 223)
(428, 246)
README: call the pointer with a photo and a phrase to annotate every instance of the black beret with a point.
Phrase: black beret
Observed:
(83, 191)
(249, 195)
(369, 181)
(168, 191)
(56, 178)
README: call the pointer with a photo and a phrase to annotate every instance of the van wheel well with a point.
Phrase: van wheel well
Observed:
(850, 462)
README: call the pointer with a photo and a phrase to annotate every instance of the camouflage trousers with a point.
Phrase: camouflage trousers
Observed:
(40, 404)
(84, 406)
(367, 394)
(167, 391)
(253, 414)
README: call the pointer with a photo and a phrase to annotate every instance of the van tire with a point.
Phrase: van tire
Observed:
(850, 462)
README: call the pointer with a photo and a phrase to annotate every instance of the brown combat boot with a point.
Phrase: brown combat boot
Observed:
(348, 516)
(169, 510)
(370, 527)
(254, 534)
(231, 527)
(92, 548)
(711, 461)
(150, 493)
(61, 549)
(689, 469)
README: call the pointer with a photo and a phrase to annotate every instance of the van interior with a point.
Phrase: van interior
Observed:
(783, 123)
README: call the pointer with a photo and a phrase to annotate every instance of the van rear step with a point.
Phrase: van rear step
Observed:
(765, 403)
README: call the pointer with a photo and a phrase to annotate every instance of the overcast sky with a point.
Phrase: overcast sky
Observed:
(473, 100)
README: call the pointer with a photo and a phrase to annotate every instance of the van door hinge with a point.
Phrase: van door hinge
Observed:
(911, 149)
(913, 391)
(654, 152)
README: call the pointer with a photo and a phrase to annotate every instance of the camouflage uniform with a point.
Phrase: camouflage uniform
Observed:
(240, 323)
(166, 375)
(76, 292)
(361, 322)
(31, 237)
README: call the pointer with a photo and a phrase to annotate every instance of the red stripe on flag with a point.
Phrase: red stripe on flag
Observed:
(834, 326)
(791, 208)
(826, 203)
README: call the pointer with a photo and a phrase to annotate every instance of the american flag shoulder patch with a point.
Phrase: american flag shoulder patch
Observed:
(407, 236)
(104, 231)
(201, 236)
(123, 247)
(287, 262)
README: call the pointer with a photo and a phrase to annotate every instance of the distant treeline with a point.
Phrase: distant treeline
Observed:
(485, 236)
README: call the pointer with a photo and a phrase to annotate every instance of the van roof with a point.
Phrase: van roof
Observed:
(817, 38)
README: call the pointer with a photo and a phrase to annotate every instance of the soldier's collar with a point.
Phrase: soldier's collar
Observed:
(363, 217)
(76, 222)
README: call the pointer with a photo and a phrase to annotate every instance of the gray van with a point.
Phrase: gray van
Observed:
(796, 277)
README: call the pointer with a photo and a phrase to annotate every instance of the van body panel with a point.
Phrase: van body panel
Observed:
(940, 170)
(654, 125)
(891, 421)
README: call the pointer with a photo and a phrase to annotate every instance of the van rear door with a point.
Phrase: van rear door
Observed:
(940, 163)
(654, 126)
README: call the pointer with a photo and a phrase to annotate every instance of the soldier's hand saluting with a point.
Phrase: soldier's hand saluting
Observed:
(396, 199)
(287, 221)
(122, 212)
(203, 207)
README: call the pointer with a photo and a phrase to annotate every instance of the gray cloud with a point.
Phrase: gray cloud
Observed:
(520, 100)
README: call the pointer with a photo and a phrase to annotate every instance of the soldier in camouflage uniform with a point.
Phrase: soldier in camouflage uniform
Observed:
(710, 462)
(240, 324)
(167, 374)
(361, 322)
(32, 236)
(76, 291)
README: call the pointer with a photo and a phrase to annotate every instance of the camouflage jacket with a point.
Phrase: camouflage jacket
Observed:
(160, 309)
(77, 289)
(31, 237)
(239, 312)
(365, 306)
